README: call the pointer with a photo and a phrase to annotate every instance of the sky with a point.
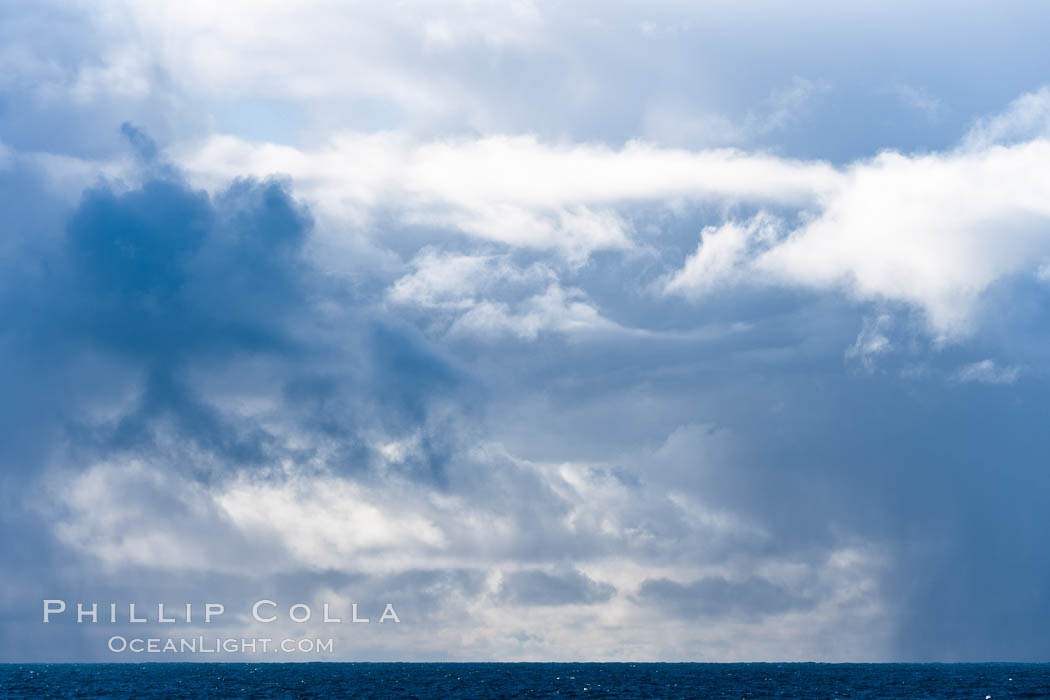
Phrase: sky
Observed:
(576, 331)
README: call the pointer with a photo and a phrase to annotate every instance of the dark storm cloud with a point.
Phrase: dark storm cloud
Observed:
(161, 277)
(158, 296)
(715, 597)
(943, 477)
(125, 318)
(538, 587)
(151, 288)
(161, 281)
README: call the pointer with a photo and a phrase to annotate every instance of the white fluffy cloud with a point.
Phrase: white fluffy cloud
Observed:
(932, 230)
(723, 256)
(1026, 118)
(488, 296)
(136, 514)
(987, 372)
(322, 50)
(513, 190)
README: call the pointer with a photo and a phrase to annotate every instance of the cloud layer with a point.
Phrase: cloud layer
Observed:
(498, 312)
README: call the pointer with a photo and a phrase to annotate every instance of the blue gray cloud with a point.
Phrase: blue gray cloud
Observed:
(537, 587)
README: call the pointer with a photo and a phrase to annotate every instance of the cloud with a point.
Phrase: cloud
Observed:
(487, 296)
(475, 345)
(671, 123)
(910, 228)
(537, 587)
(183, 319)
(723, 256)
(1026, 118)
(933, 231)
(555, 197)
(872, 341)
(918, 99)
(987, 372)
(454, 281)
(787, 103)
(716, 597)
(554, 309)
(108, 318)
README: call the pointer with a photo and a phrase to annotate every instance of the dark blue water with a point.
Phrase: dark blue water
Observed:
(400, 680)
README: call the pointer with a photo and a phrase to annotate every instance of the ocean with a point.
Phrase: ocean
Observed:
(524, 680)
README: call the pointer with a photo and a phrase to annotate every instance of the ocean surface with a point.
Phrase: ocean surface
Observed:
(504, 680)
